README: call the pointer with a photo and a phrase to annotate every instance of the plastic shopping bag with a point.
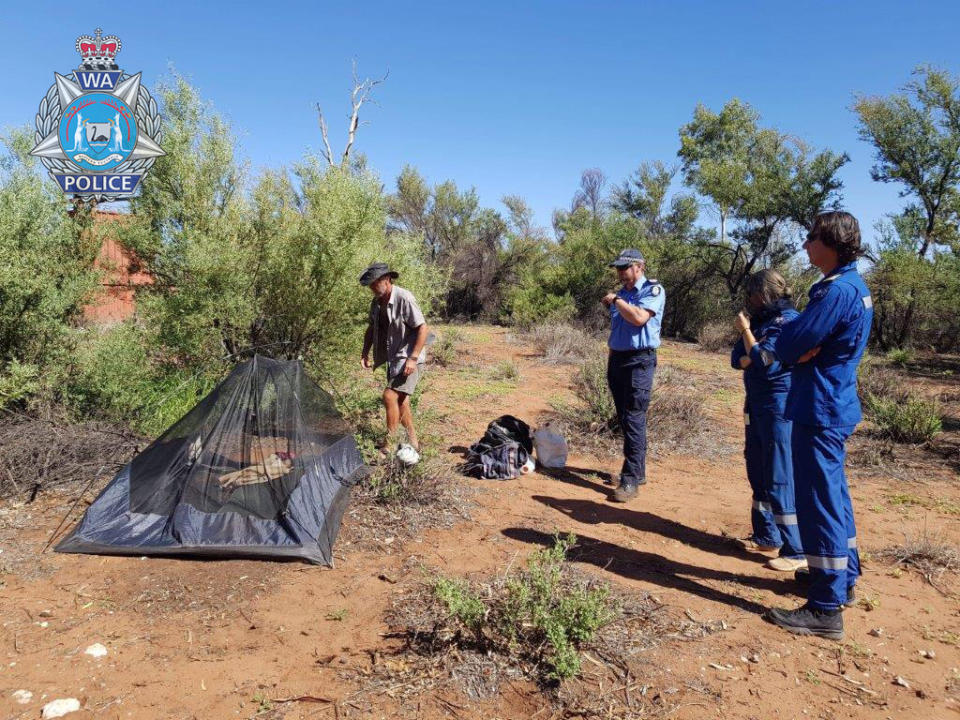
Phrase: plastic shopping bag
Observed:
(551, 447)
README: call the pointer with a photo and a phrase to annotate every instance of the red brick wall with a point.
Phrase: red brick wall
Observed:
(114, 302)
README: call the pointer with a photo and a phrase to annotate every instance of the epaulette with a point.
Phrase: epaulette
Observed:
(655, 287)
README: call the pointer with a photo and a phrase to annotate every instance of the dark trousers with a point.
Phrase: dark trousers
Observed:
(630, 377)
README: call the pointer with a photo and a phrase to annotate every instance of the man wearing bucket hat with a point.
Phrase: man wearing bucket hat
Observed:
(397, 333)
(636, 312)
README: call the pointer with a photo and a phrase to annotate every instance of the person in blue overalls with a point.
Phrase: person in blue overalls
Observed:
(767, 433)
(636, 312)
(826, 343)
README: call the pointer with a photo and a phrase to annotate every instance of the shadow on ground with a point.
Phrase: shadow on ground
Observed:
(658, 570)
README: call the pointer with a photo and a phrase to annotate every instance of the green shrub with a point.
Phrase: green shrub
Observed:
(18, 381)
(114, 377)
(906, 417)
(505, 370)
(531, 304)
(444, 350)
(465, 605)
(271, 264)
(590, 386)
(46, 272)
(538, 613)
(900, 357)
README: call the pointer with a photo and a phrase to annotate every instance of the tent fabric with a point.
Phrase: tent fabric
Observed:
(261, 467)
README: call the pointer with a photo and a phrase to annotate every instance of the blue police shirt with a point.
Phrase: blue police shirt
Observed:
(649, 295)
(837, 320)
(766, 380)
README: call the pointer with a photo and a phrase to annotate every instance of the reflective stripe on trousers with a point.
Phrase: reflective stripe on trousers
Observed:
(770, 472)
(825, 511)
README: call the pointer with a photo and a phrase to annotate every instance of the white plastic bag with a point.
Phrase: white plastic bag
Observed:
(550, 446)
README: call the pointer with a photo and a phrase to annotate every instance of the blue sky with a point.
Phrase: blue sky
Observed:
(508, 97)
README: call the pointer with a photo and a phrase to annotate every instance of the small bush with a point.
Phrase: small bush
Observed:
(114, 378)
(590, 386)
(562, 343)
(505, 370)
(717, 336)
(394, 484)
(876, 380)
(906, 417)
(462, 602)
(676, 414)
(18, 381)
(531, 305)
(927, 552)
(900, 357)
(538, 614)
(444, 351)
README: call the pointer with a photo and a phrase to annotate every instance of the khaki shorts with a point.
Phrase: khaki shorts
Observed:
(405, 385)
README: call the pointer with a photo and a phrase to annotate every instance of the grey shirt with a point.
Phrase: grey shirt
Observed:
(394, 343)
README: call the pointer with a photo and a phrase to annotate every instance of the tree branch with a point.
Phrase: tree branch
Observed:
(327, 152)
(359, 95)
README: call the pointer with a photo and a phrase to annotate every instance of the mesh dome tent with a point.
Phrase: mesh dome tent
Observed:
(261, 467)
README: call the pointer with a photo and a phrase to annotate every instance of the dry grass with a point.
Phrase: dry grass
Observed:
(42, 453)
(717, 336)
(878, 380)
(676, 419)
(559, 344)
(446, 349)
(929, 553)
(396, 503)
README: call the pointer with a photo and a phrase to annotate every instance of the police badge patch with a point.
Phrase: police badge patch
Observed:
(98, 133)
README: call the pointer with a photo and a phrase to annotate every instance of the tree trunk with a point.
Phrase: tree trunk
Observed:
(907, 332)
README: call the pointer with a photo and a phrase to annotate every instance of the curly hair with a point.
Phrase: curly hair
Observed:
(839, 230)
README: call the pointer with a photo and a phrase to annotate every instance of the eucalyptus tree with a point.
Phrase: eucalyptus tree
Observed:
(916, 137)
(766, 185)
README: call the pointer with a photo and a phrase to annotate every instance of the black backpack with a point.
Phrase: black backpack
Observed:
(504, 448)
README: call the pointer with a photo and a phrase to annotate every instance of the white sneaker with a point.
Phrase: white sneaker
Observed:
(408, 455)
(785, 564)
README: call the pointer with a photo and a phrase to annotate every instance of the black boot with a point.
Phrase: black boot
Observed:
(806, 620)
(802, 576)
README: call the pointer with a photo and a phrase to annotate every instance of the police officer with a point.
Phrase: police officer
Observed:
(826, 343)
(767, 433)
(636, 312)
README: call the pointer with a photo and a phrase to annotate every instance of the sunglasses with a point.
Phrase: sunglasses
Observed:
(811, 237)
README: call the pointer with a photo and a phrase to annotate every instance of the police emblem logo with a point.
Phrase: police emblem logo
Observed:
(98, 132)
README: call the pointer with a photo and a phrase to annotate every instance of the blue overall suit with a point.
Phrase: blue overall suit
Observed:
(824, 407)
(767, 433)
(630, 368)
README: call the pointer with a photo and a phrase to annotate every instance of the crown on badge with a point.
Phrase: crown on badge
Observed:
(98, 51)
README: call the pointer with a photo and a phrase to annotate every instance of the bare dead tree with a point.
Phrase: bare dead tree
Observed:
(358, 96)
(590, 194)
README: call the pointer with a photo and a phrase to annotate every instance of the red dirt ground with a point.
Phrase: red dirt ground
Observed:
(244, 639)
